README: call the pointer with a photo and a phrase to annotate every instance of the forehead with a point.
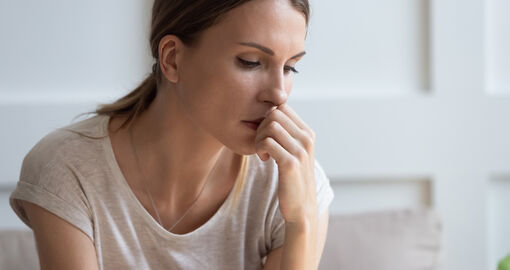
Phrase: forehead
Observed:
(274, 24)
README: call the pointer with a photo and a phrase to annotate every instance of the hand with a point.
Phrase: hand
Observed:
(283, 136)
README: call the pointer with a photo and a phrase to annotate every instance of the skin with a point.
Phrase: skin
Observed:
(206, 93)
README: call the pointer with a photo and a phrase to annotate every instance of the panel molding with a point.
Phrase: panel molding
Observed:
(497, 57)
(371, 194)
(389, 54)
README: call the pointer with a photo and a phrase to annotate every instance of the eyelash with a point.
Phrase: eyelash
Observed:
(250, 64)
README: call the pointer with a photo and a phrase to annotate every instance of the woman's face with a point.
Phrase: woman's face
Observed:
(226, 80)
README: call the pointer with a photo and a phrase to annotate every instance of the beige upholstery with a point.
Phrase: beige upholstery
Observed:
(386, 240)
(396, 240)
(17, 250)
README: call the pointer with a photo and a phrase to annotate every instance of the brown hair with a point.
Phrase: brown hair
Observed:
(185, 19)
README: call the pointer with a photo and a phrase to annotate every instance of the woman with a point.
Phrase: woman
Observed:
(203, 166)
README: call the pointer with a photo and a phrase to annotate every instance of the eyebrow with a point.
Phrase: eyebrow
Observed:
(267, 50)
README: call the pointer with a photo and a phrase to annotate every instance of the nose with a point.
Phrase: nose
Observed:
(274, 90)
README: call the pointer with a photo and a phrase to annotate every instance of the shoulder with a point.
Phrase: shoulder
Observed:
(59, 149)
(64, 141)
(52, 174)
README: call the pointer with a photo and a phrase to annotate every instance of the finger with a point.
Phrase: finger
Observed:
(281, 136)
(288, 124)
(284, 120)
(274, 149)
(285, 108)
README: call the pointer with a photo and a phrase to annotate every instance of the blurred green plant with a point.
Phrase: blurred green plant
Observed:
(504, 264)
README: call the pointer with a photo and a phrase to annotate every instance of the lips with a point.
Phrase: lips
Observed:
(257, 121)
(254, 124)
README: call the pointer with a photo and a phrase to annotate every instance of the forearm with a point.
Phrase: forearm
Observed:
(299, 248)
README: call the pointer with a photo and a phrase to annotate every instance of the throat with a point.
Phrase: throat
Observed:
(216, 192)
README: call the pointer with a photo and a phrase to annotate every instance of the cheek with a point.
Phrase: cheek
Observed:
(288, 86)
(237, 82)
(221, 90)
(244, 89)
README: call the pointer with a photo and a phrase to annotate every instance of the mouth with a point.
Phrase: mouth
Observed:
(252, 124)
(258, 120)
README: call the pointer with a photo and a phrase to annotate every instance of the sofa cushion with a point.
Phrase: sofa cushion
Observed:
(403, 239)
(17, 250)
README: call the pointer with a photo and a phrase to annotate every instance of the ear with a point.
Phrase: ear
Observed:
(170, 49)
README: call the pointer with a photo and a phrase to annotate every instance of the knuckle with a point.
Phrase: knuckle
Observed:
(266, 142)
(273, 126)
(292, 163)
(302, 154)
(312, 135)
(308, 143)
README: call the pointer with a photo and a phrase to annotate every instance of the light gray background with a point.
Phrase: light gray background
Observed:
(410, 100)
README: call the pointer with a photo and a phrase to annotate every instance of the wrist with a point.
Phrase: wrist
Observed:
(305, 225)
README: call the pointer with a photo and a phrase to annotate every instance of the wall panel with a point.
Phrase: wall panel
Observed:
(365, 195)
(497, 44)
(366, 48)
(73, 46)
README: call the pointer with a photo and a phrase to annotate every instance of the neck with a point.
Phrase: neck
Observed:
(177, 157)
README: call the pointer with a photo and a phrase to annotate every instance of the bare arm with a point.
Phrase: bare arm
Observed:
(60, 245)
(274, 259)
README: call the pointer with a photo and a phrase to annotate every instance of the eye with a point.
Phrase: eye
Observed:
(248, 64)
(289, 68)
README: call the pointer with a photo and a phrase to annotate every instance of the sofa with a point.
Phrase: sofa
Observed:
(405, 239)
(401, 239)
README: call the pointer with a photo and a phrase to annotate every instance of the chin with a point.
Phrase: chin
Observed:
(238, 139)
(244, 149)
(245, 146)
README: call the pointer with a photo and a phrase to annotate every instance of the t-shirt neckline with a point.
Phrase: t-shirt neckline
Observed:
(121, 181)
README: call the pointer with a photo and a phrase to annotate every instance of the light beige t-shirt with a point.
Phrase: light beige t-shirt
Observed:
(72, 172)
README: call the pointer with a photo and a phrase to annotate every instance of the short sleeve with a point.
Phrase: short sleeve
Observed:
(49, 181)
(276, 235)
(325, 193)
(277, 230)
(324, 197)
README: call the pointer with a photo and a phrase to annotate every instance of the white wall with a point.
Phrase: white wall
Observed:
(410, 100)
